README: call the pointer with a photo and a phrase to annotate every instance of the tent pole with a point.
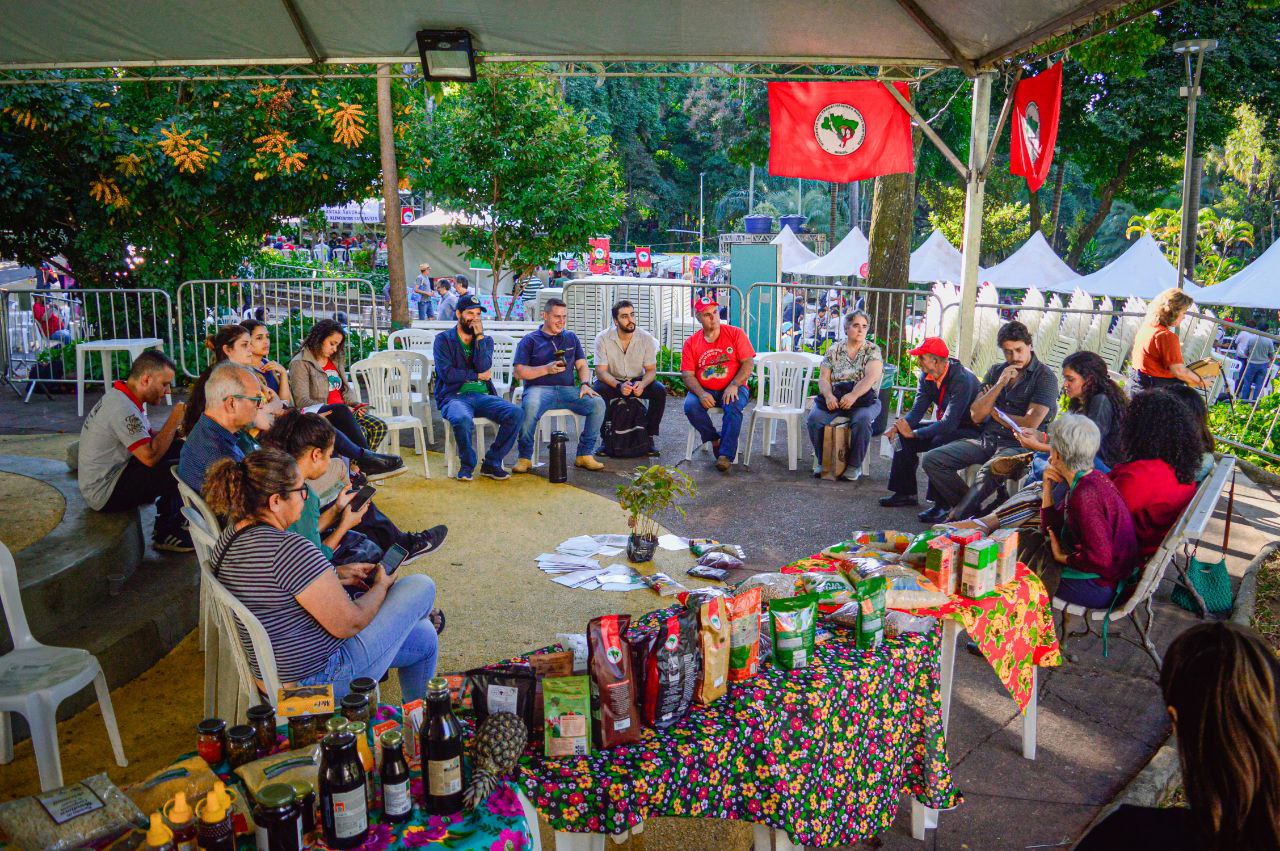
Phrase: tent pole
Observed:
(975, 188)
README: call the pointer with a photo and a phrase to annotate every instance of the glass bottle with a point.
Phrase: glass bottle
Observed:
(397, 803)
(357, 729)
(441, 749)
(344, 815)
(305, 795)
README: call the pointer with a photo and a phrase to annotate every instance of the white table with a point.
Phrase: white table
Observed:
(134, 347)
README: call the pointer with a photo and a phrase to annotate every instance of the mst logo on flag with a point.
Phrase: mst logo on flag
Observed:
(598, 257)
(644, 262)
(838, 132)
(1036, 104)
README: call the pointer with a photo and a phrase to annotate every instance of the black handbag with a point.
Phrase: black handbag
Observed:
(839, 389)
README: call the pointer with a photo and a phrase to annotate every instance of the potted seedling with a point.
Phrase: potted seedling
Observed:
(650, 490)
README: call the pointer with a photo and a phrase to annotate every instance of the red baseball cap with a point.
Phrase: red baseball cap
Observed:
(705, 304)
(931, 346)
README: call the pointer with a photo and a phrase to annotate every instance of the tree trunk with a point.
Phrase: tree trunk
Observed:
(892, 205)
(1057, 206)
(1036, 215)
(391, 202)
(1105, 199)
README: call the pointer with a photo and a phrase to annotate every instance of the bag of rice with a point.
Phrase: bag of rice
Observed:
(830, 587)
(191, 776)
(744, 635)
(792, 622)
(92, 811)
(870, 596)
(287, 767)
(773, 586)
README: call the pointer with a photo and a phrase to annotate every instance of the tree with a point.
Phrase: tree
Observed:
(190, 173)
(508, 153)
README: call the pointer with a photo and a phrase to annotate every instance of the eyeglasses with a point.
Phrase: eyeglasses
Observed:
(302, 490)
(256, 400)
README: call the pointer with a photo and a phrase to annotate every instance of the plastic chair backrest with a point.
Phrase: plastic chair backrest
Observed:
(11, 599)
(784, 379)
(413, 339)
(504, 355)
(387, 382)
(234, 616)
(415, 363)
(193, 500)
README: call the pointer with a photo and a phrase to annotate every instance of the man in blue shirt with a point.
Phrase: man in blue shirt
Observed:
(232, 398)
(541, 362)
(464, 389)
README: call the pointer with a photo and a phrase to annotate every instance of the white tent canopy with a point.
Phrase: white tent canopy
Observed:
(1034, 264)
(847, 258)
(792, 253)
(936, 260)
(1256, 285)
(1142, 271)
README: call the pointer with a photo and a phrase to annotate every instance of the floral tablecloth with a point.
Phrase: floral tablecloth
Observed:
(1013, 628)
(824, 753)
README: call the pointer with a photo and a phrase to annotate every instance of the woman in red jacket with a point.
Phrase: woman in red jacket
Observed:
(1163, 448)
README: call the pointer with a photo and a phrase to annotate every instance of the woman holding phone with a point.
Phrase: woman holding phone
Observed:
(319, 633)
(317, 377)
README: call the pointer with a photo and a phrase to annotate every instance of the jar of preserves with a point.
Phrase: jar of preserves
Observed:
(305, 794)
(278, 818)
(355, 708)
(367, 686)
(302, 731)
(211, 740)
(262, 718)
(242, 745)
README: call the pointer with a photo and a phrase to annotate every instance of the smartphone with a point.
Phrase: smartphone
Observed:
(362, 496)
(392, 558)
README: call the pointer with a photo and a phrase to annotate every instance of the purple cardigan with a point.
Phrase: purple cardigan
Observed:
(1101, 529)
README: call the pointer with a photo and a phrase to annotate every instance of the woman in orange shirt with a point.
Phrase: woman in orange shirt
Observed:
(1157, 351)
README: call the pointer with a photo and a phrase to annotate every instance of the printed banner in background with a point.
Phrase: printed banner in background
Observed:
(598, 256)
(838, 132)
(1036, 103)
(644, 261)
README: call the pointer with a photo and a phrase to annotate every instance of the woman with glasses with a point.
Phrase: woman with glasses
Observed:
(318, 633)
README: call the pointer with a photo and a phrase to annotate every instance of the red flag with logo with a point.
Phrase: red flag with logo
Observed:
(1036, 103)
(838, 132)
(598, 257)
(644, 261)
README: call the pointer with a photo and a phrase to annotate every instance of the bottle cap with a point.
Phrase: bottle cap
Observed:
(180, 812)
(437, 687)
(336, 724)
(241, 733)
(261, 712)
(301, 789)
(363, 685)
(356, 727)
(355, 701)
(391, 739)
(158, 835)
(211, 726)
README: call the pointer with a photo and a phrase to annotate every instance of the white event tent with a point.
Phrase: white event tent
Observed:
(936, 260)
(1256, 285)
(792, 253)
(847, 258)
(1034, 264)
(1142, 271)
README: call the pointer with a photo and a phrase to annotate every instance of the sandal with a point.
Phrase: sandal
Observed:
(437, 620)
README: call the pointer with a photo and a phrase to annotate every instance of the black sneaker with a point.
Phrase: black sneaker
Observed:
(897, 500)
(936, 514)
(376, 466)
(177, 541)
(654, 453)
(499, 473)
(422, 543)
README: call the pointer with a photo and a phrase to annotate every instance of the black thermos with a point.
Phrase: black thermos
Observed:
(559, 469)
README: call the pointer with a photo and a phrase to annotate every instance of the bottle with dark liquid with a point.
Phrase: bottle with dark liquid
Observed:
(441, 749)
(397, 803)
(342, 794)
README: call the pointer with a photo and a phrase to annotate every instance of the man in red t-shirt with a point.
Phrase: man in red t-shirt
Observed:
(715, 364)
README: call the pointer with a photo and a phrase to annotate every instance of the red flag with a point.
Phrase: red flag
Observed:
(838, 132)
(598, 259)
(1036, 103)
(644, 261)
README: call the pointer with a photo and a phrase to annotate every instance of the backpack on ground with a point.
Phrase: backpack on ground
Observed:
(623, 434)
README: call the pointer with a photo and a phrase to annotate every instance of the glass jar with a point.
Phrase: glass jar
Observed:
(305, 794)
(367, 686)
(262, 718)
(242, 746)
(211, 740)
(301, 731)
(355, 708)
(278, 818)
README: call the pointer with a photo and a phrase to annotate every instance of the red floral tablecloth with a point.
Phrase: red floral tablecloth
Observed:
(1013, 628)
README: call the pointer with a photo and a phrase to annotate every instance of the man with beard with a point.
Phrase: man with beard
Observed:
(464, 389)
(627, 365)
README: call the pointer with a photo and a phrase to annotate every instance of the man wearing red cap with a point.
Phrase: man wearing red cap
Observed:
(715, 365)
(948, 386)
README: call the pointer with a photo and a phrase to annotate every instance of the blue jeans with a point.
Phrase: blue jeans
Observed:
(422, 309)
(1251, 384)
(458, 412)
(700, 418)
(540, 399)
(860, 420)
(399, 636)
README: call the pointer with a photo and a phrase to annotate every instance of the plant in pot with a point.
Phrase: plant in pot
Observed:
(649, 491)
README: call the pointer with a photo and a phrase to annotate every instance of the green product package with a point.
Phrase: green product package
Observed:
(566, 703)
(870, 596)
(792, 622)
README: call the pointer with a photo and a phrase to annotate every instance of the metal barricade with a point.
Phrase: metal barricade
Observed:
(289, 306)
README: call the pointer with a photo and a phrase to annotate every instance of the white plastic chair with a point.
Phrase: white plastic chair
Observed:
(34, 680)
(504, 355)
(782, 390)
(694, 440)
(391, 400)
(232, 615)
(415, 340)
(549, 423)
(421, 369)
(193, 502)
(451, 460)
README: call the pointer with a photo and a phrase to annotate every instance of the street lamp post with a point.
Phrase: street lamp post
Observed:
(1193, 49)
(701, 215)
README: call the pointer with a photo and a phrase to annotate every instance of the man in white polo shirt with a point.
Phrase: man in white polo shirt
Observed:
(627, 365)
(123, 464)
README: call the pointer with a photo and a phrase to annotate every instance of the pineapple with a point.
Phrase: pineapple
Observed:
(497, 747)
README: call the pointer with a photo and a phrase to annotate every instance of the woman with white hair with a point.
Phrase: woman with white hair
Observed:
(1086, 548)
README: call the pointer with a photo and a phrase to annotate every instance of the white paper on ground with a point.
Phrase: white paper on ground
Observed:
(609, 552)
(582, 545)
(673, 542)
(610, 540)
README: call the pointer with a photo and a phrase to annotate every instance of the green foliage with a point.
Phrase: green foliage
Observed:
(1216, 239)
(511, 155)
(1240, 423)
(669, 361)
(651, 490)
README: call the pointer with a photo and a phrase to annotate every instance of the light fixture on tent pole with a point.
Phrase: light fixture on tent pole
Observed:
(1189, 50)
(448, 56)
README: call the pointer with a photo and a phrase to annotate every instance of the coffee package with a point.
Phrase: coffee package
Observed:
(614, 718)
(504, 688)
(744, 635)
(792, 623)
(713, 640)
(566, 708)
(672, 665)
(546, 666)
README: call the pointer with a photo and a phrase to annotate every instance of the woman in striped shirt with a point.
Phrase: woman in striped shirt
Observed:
(318, 633)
